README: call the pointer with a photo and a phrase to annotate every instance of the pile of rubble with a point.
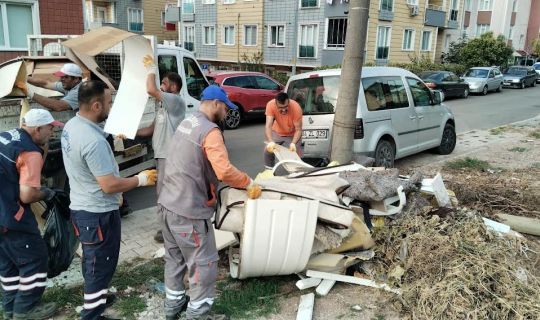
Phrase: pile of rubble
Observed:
(405, 235)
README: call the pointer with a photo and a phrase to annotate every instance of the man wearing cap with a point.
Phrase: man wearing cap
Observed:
(95, 194)
(197, 160)
(283, 126)
(23, 253)
(70, 79)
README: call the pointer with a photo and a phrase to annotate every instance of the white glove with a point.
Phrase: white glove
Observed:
(292, 147)
(147, 178)
(149, 64)
(271, 146)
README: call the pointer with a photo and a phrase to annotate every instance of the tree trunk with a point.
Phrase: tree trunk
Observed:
(351, 68)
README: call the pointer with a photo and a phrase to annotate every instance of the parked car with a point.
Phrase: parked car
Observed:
(536, 67)
(450, 84)
(250, 91)
(397, 114)
(520, 77)
(484, 79)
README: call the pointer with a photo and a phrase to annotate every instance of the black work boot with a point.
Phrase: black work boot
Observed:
(41, 311)
(176, 312)
(111, 299)
(159, 237)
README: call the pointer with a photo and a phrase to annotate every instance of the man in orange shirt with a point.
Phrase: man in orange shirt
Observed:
(283, 127)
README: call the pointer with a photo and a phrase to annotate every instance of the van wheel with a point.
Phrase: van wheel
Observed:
(485, 90)
(465, 93)
(385, 153)
(232, 120)
(448, 140)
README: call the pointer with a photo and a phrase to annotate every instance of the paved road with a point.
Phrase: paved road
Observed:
(245, 144)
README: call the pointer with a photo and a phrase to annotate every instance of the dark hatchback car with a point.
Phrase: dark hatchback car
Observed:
(450, 84)
(520, 77)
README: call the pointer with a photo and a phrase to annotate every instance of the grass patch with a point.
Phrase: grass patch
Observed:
(248, 299)
(135, 274)
(67, 299)
(498, 130)
(535, 134)
(518, 149)
(129, 306)
(469, 163)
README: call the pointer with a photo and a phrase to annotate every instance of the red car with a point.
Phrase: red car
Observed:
(250, 91)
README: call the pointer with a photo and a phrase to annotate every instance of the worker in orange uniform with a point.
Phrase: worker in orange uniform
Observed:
(283, 127)
(197, 160)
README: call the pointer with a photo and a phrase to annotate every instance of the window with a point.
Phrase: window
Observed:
(135, 19)
(265, 83)
(189, 37)
(250, 35)
(481, 29)
(383, 42)
(167, 63)
(412, 2)
(162, 18)
(408, 39)
(228, 1)
(244, 82)
(228, 35)
(308, 41)
(384, 93)
(195, 80)
(317, 95)
(309, 3)
(336, 32)
(453, 11)
(188, 7)
(421, 94)
(387, 5)
(276, 37)
(426, 41)
(209, 2)
(209, 35)
(484, 5)
(16, 22)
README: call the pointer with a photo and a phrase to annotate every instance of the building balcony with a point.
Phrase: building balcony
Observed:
(435, 16)
(188, 17)
(386, 15)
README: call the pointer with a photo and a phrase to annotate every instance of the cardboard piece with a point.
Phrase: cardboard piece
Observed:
(10, 73)
(305, 308)
(329, 262)
(360, 238)
(353, 280)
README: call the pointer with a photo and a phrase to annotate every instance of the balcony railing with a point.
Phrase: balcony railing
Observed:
(435, 17)
(386, 15)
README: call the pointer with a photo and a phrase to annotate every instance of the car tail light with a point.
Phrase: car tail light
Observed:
(358, 129)
(431, 85)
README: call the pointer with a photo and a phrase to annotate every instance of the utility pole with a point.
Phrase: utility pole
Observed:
(351, 68)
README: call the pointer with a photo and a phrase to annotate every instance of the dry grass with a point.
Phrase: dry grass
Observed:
(455, 269)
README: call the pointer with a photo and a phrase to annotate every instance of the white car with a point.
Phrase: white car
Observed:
(484, 79)
(536, 67)
(397, 114)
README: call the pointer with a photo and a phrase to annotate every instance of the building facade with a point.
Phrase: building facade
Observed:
(123, 14)
(33, 17)
(155, 22)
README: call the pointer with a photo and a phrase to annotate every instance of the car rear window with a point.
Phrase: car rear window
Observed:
(433, 76)
(536, 67)
(316, 95)
(476, 73)
(517, 71)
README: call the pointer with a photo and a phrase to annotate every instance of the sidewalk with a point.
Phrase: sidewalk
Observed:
(138, 230)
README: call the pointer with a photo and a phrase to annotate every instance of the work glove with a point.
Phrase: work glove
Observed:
(25, 89)
(147, 178)
(292, 147)
(48, 192)
(253, 190)
(149, 64)
(271, 146)
(120, 137)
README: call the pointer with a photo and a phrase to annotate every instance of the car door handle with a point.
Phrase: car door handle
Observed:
(412, 117)
(190, 106)
(420, 117)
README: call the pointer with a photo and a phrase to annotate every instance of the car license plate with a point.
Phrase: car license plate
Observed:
(315, 134)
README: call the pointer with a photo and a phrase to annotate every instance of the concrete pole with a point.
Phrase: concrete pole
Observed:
(351, 68)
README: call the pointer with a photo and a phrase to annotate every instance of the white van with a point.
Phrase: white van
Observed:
(397, 115)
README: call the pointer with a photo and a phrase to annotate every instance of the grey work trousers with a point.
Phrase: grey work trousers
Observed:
(270, 158)
(190, 245)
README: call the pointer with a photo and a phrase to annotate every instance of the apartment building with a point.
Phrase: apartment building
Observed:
(26, 17)
(123, 14)
(509, 18)
(154, 20)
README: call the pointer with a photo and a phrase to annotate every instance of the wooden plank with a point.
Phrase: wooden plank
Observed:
(325, 287)
(308, 283)
(349, 279)
(521, 224)
(305, 307)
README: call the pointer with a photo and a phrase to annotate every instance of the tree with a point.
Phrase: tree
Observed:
(486, 50)
(353, 56)
(535, 47)
(452, 56)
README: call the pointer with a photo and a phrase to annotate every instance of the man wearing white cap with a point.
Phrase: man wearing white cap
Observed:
(70, 79)
(23, 253)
